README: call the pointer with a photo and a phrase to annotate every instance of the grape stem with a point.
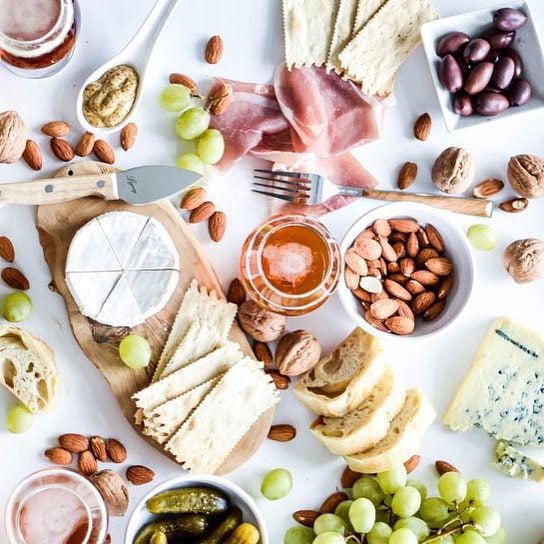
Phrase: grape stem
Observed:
(355, 538)
(440, 535)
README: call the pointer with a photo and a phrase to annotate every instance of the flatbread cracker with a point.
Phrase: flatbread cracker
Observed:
(375, 54)
(308, 27)
(365, 10)
(342, 32)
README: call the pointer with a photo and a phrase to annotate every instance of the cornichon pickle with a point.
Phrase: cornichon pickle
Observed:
(188, 500)
(178, 527)
(224, 529)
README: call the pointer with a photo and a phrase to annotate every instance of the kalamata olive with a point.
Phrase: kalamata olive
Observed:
(488, 103)
(499, 40)
(503, 73)
(513, 54)
(451, 43)
(449, 74)
(476, 50)
(519, 92)
(478, 77)
(508, 19)
(463, 105)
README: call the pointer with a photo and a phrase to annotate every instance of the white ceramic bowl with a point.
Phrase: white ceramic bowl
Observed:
(237, 496)
(474, 24)
(457, 249)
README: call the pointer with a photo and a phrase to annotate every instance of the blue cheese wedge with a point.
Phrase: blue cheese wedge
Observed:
(514, 463)
(503, 392)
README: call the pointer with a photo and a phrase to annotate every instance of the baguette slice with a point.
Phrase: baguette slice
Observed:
(365, 426)
(344, 378)
(28, 369)
(402, 440)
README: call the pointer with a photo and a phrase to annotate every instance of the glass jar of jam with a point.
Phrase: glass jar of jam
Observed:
(56, 506)
(290, 264)
(37, 37)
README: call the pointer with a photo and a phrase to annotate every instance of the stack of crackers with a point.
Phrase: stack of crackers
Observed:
(363, 40)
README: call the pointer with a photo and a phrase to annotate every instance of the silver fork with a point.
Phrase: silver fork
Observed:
(311, 188)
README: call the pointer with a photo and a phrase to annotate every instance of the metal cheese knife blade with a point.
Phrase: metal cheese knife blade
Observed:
(140, 185)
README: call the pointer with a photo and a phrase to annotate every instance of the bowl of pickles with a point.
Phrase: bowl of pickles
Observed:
(203, 510)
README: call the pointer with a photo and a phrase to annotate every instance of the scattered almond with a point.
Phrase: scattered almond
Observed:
(412, 463)
(139, 475)
(116, 451)
(306, 517)
(104, 151)
(56, 129)
(220, 99)
(214, 50)
(85, 144)
(443, 466)
(349, 477)
(15, 279)
(514, 205)
(74, 442)
(108, 539)
(202, 212)
(183, 79)
(33, 155)
(236, 292)
(332, 501)
(263, 354)
(280, 381)
(193, 198)
(62, 149)
(7, 251)
(128, 136)
(58, 456)
(407, 175)
(217, 225)
(97, 445)
(86, 464)
(422, 127)
(282, 433)
(488, 188)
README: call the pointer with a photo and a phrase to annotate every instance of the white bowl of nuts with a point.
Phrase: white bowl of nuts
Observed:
(408, 271)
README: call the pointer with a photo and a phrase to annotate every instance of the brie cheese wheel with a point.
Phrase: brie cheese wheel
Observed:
(121, 268)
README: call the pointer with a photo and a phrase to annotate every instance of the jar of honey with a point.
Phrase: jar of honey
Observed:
(37, 37)
(290, 264)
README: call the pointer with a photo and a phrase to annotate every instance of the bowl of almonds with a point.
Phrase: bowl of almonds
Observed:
(408, 271)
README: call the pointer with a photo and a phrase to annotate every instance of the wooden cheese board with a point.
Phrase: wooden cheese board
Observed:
(57, 224)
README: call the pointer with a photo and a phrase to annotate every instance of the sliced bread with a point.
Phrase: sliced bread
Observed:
(28, 369)
(403, 437)
(365, 426)
(344, 378)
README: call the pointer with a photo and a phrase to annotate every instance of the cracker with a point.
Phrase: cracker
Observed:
(365, 10)
(342, 32)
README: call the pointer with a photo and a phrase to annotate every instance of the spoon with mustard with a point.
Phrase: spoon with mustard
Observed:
(109, 96)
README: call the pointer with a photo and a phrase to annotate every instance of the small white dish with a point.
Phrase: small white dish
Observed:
(457, 249)
(474, 24)
(237, 496)
(135, 54)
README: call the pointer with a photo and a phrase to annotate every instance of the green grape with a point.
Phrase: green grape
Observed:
(329, 538)
(470, 537)
(175, 97)
(369, 488)
(406, 502)
(402, 536)
(379, 534)
(277, 484)
(448, 539)
(433, 510)
(190, 161)
(392, 480)
(478, 492)
(362, 515)
(211, 146)
(135, 351)
(452, 487)
(298, 535)
(342, 511)
(419, 485)
(486, 520)
(17, 306)
(192, 123)
(329, 523)
(500, 537)
(416, 525)
(18, 419)
(482, 237)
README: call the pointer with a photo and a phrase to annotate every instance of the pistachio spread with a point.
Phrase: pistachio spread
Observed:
(109, 99)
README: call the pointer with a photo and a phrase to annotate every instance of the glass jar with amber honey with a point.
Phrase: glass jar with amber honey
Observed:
(290, 264)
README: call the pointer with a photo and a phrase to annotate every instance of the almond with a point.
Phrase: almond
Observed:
(433, 311)
(393, 267)
(282, 433)
(362, 295)
(434, 238)
(376, 323)
(422, 127)
(378, 296)
(384, 308)
(219, 100)
(443, 466)
(7, 251)
(422, 238)
(349, 477)
(139, 475)
(193, 198)
(412, 463)
(116, 451)
(217, 225)
(237, 292)
(62, 149)
(183, 79)
(263, 354)
(414, 287)
(407, 175)
(412, 245)
(306, 517)
(441, 266)
(425, 277)
(388, 252)
(104, 151)
(381, 227)
(400, 325)
(33, 155)
(15, 279)
(356, 262)
(108, 539)
(351, 278)
(214, 50)
(85, 144)
(405, 310)
(74, 442)
(280, 381)
(367, 233)
(86, 464)
(407, 266)
(514, 205)
(332, 501)
(398, 277)
(397, 236)
(425, 254)
(58, 456)
(488, 188)
(202, 212)
(371, 284)
(400, 248)
(396, 290)
(422, 301)
(405, 225)
(367, 248)
(445, 287)
(56, 129)
(97, 445)
(128, 136)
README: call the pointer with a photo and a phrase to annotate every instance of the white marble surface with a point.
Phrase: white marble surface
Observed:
(253, 47)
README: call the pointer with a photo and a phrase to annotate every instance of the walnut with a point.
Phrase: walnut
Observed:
(297, 352)
(262, 325)
(453, 170)
(113, 490)
(526, 175)
(524, 260)
(12, 136)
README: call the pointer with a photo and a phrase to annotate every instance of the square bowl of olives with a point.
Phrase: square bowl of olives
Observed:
(199, 509)
(485, 65)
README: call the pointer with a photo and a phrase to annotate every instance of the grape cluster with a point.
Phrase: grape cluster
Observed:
(390, 508)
